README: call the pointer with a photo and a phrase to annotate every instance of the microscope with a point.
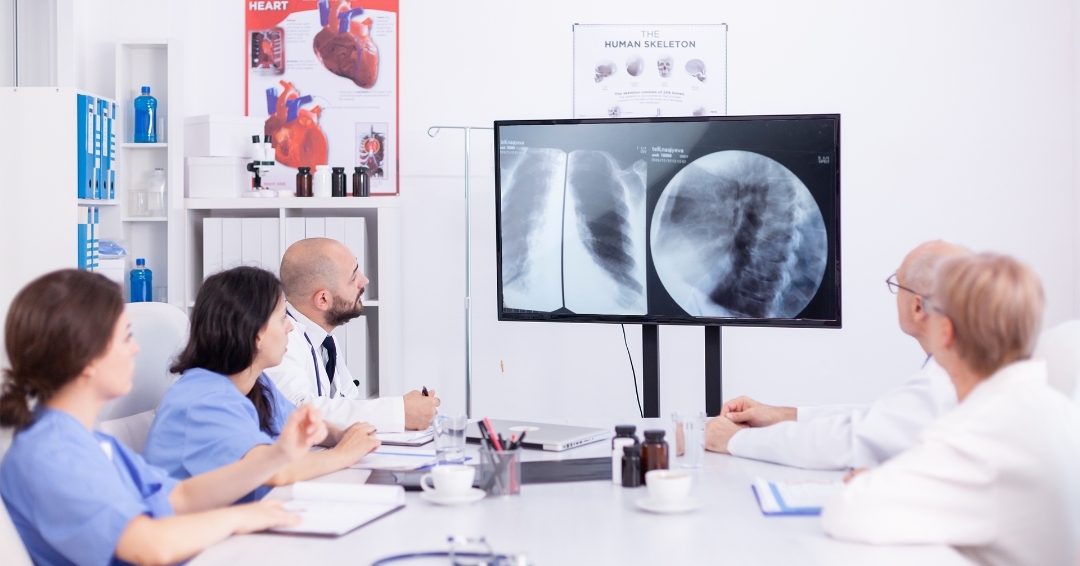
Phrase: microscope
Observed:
(263, 160)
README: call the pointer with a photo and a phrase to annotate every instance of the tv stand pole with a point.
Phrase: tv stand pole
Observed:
(650, 371)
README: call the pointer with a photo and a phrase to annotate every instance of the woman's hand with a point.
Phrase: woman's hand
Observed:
(304, 429)
(851, 475)
(356, 442)
(262, 515)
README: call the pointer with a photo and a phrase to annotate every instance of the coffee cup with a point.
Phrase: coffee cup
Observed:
(667, 487)
(448, 481)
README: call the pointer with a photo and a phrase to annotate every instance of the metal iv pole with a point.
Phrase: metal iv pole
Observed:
(432, 132)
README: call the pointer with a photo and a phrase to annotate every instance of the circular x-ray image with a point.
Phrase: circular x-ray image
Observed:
(635, 65)
(736, 234)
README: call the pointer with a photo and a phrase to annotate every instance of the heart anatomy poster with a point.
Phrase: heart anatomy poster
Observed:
(640, 71)
(324, 74)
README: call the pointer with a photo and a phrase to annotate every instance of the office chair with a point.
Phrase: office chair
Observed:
(161, 331)
(1060, 348)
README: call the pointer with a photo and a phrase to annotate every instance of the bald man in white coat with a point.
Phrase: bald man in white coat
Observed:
(840, 437)
(323, 285)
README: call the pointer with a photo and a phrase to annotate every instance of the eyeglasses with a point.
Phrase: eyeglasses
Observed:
(894, 286)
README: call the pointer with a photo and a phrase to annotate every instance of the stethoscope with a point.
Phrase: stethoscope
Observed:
(314, 358)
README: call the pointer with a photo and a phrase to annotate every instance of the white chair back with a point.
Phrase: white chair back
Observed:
(161, 331)
(1060, 348)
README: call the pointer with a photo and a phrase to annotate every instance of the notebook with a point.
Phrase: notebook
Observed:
(333, 509)
(407, 438)
(793, 497)
(399, 458)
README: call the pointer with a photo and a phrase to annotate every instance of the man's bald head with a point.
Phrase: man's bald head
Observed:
(917, 270)
(313, 264)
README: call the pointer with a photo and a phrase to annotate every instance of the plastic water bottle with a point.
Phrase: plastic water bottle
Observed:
(142, 283)
(146, 117)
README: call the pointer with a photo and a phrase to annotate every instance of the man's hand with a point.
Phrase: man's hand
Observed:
(419, 410)
(748, 412)
(718, 433)
(304, 429)
(851, 475)
(357, 441)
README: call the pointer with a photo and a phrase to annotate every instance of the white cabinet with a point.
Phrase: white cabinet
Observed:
(382, 302)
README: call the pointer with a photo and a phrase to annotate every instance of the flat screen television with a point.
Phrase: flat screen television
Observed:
(706, 221)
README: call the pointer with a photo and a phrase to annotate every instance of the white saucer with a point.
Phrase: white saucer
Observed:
(471, 496)
(684, 506)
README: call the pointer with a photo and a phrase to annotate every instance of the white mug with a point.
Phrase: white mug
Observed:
(667, 486)
(449, 481)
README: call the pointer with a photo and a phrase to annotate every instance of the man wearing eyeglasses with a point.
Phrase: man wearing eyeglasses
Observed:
(840, 437)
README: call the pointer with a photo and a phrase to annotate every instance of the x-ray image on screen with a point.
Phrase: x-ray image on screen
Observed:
(533, 185)
(736, 234)
(731, 220)
(604, 266)
(573, 232)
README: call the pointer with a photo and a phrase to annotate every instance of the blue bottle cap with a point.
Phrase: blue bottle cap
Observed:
(140, 262)
(146, 90)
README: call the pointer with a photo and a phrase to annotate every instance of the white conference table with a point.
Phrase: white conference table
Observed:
(590, 523)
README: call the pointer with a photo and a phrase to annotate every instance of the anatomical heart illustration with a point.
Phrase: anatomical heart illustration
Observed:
(344, 46)
(298, 140)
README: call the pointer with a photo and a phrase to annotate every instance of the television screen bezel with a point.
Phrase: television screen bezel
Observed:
(667, 319)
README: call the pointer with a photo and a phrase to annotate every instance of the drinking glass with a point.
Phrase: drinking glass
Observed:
(450, 439)
(689, 438)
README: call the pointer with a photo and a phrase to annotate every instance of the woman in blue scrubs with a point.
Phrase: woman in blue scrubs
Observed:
(224, 409)
(77, 496)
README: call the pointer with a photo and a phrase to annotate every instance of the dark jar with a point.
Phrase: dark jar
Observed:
(654, 452)
(360, 182)
(631, 466)
(337, 182)
(303, 182)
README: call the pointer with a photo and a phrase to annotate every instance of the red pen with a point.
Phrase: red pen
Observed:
(494, 437)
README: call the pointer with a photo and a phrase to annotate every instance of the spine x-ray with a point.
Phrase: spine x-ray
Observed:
(737, 234)
(573, 232)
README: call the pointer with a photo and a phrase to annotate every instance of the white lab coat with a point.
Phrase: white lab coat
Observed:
(340, 402)
(839, 437)
(998, 478)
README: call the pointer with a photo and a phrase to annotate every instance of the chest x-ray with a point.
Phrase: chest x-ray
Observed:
(573, 232)
(684, 221)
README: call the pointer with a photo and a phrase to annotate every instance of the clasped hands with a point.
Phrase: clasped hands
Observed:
(740, 413)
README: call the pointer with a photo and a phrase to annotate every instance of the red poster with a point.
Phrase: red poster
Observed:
(324, 75)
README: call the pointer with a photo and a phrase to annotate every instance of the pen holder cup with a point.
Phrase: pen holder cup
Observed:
(500, 472)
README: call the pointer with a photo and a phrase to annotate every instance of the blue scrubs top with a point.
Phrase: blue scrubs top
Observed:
(204, 423)
(68, 499)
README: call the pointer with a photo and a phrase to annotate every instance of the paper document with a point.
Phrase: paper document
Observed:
(794, 497)
(396, 459)
(335, 509)
(407, 438)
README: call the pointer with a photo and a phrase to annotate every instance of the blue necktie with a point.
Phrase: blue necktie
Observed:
(331, 356)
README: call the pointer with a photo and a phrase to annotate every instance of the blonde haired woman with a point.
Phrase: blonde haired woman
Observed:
(999, 476)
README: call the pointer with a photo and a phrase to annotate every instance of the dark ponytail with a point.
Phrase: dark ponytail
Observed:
(232, 307)
(55, 327)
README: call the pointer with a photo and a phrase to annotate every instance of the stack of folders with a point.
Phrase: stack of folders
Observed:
(335, 509)
(96, 146)
(794, 497)
(231, 242)
(88, 237)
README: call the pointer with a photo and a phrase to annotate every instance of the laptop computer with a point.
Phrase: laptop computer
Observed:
(541, 436)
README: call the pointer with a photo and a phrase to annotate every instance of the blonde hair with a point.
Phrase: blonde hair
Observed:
(995, 304)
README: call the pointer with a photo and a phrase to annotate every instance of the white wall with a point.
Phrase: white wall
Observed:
(957, 123)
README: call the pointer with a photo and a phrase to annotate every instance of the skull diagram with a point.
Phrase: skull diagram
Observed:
(605, 69)
(696, 68)
(635, 65)
(614, 112)
(664, 65)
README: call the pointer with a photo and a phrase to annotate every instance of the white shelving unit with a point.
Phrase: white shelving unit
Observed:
(383, 305)
(160, 240)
